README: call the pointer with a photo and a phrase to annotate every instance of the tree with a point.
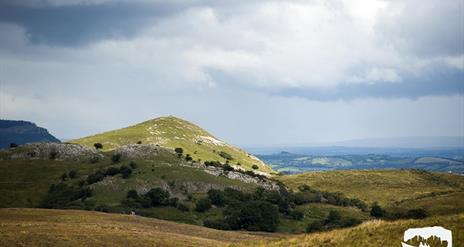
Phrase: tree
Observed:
(297, 215)
(253, 216)
(203, 205)
(158, 197)
(111, 171)
(334, 216)
(314, 226)
(132, 194)
(139, 142)
(98, 145)
(13, 145)
(417, 213)
(255, 167)
(179, 152)
(216, 197)
(188, 157)
(377, 211)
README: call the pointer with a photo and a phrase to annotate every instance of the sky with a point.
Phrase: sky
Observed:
(251, 72)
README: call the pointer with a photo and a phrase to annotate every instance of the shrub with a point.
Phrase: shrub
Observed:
(13, 145)
(173, 201)
(297, 215)
(139, 142)
(217, 224)
(111, 171)
(417, 213)
(125, 171)
(202, 205)
(182, 207)
(314, 226)
(228, 167)
(179, 152)
(53, 154)
(255, 167)
(63, 177)
(132, 194)
(102, 208)
(98, 145)
(158, 197)
(253, 216)
(95, 177)
(72, 174)
(334, 216)
(225, 155)
(216, 197)
(377, 211)
(188, 157)
(133, 165)
(63, 195)
(116, 158)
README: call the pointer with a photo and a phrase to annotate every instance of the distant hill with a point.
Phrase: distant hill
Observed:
(21, 132)
(172, 132)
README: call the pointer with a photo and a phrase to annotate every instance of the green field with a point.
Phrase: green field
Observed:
(388, 187)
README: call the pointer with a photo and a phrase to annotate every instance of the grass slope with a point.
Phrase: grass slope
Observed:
(172, 132)
(372, 233)
(41, 227)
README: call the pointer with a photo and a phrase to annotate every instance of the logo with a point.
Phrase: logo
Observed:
(427, 237)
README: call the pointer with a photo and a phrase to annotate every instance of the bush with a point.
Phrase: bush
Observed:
(297, 215)
(179, 151)
(417, 213)
(96, 177)
(133, 165)
(188, 157)
(216, 197)
(116, 158)
(63, 196)
(98, 145)
(314, 226)
(139, 142)
(255, 167)
(377, 211)
(132, 194)
(217, 224)
(182, 207)
(158, 197)
(334, 216)
(72, 174)
(253, 216)
(203, 205)
(63, 177)
(228, 167)
(225, 155)
(53, 154)
(102, 208)
(13, 145)
(111, 171)
(125, 171)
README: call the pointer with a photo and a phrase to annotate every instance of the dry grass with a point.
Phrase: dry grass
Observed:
(371, 233)
(42, 227)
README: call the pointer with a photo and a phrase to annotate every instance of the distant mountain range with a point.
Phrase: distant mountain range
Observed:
(415, 146)
(21, 132)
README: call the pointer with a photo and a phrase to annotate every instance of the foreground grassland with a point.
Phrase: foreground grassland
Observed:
(172, 132)
(371, 233)
(45, 227)
(388, 187)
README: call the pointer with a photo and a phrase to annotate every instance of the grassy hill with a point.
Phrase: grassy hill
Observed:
(436, 192)
(371, 233)
(46, 227)
(172, 132)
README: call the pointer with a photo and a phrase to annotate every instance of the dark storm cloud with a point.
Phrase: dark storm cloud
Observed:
(72, 25)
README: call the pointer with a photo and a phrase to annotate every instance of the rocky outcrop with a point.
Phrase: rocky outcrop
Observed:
(54, 151)
(139, 151)
(237, 175)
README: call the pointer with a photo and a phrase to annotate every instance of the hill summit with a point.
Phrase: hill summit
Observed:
(172, 132)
